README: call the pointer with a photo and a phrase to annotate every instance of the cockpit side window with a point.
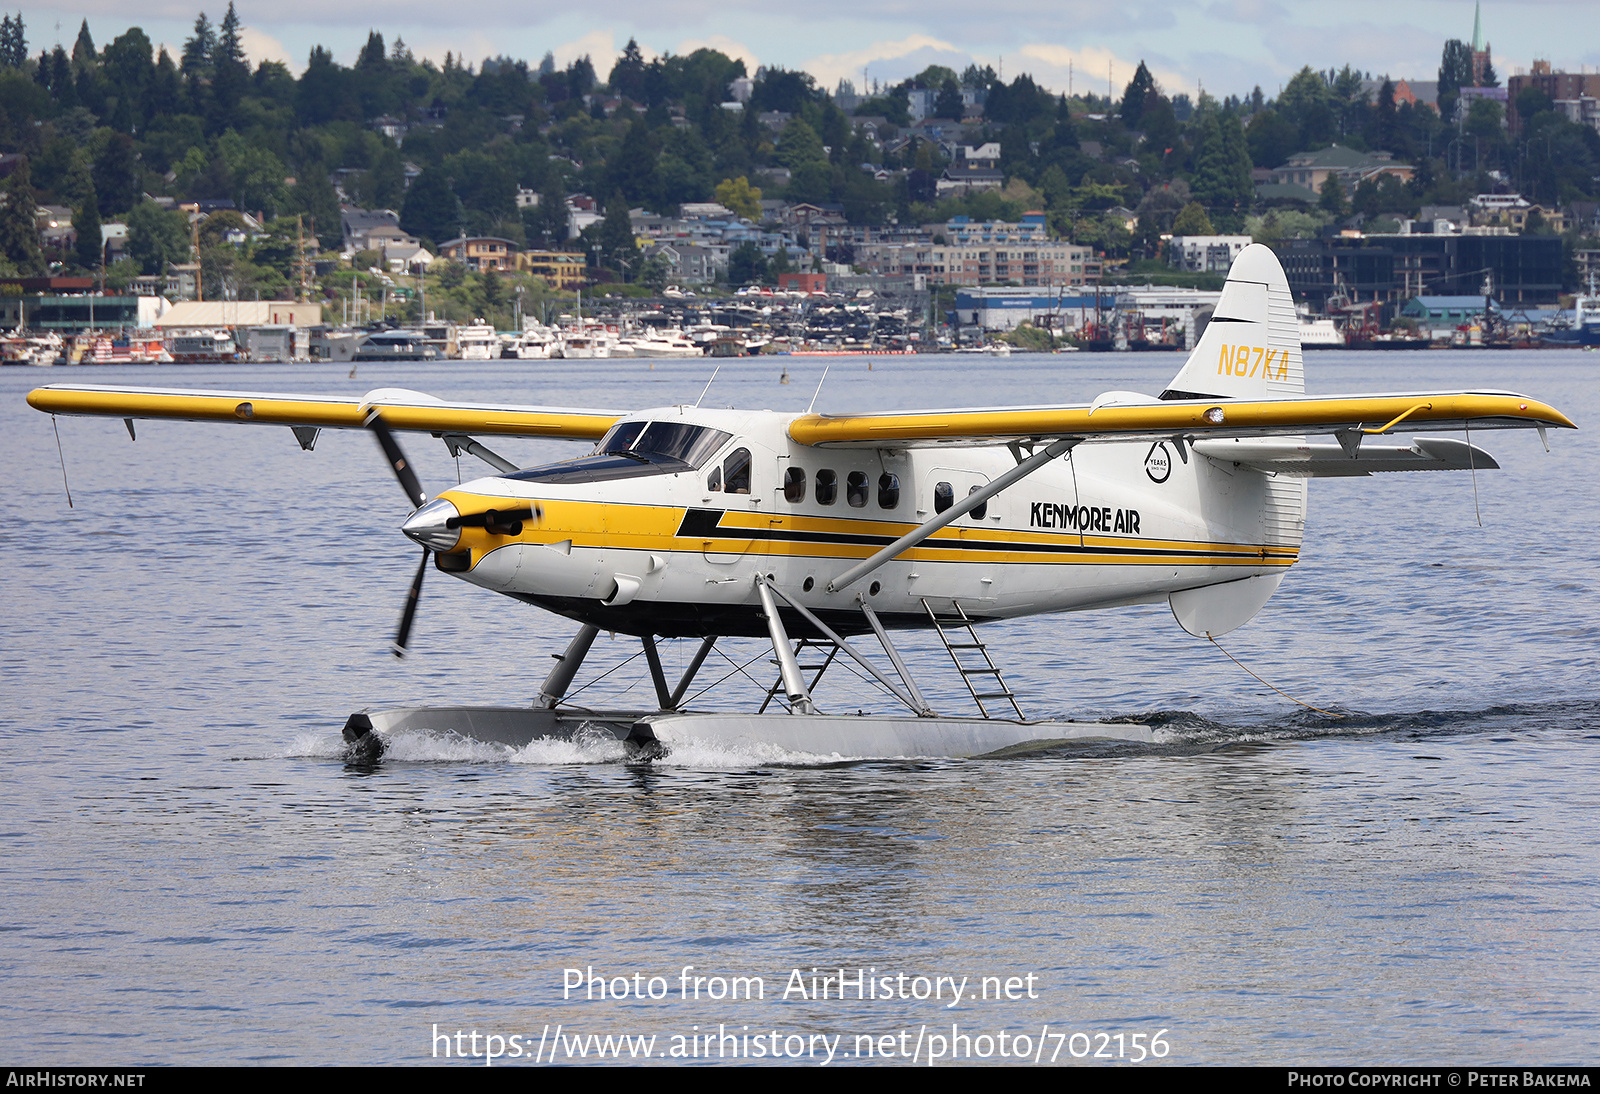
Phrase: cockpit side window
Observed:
(671, 443)
(736, 471)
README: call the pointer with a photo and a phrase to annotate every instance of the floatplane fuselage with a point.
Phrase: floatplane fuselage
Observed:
(645, 542)
(692, 522)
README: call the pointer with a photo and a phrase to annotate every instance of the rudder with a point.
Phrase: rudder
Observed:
(1251, 347)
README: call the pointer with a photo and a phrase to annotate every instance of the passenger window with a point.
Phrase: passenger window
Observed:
(827, 487)
(736, 471)
(794, 484)
(944, 496)
(714, 483)
(855, 489)
(979, 510)
(888, 491)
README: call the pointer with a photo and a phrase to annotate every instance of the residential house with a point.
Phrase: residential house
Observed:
(1510, 211)
(691, 263)
(1312, 169)
(1044, 262)
(358, 224)
(561, 269)
(480, 253)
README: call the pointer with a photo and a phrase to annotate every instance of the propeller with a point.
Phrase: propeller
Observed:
(413, 487)
(429, 526)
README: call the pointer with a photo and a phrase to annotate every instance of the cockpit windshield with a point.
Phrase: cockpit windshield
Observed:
(632, 449)
(659, 442)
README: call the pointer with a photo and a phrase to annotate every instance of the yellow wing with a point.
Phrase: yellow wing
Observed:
(410, 411)
(1122, 418)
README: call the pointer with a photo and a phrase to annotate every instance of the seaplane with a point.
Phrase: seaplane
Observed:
(824, 533)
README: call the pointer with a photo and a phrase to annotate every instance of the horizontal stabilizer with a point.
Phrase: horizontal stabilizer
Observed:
(1333, 461)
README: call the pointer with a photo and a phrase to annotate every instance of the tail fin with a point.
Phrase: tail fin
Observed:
(1251, 348)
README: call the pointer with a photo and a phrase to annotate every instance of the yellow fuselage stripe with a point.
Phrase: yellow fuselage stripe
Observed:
(595, 525)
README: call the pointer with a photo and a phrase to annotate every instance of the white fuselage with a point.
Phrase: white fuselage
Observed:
(677, 553)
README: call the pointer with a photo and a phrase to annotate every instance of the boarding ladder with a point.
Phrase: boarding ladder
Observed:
(800, 648)
(972, 649)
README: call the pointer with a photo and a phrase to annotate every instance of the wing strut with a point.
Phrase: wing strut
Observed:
(954, 513)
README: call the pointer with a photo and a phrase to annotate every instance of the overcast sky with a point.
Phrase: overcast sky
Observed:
(1226, 46)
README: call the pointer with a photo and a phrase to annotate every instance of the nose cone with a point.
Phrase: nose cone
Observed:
(432, 526)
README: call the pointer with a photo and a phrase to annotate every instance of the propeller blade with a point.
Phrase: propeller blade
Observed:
(397, 458)
(410, 612)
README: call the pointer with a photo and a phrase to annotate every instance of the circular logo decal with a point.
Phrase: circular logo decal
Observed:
(1158, 462)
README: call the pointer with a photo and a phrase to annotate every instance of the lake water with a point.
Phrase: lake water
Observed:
(191, 874)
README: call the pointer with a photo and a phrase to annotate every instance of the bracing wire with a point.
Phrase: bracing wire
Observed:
(1472, 470)
(1279, 690)
(63, 456)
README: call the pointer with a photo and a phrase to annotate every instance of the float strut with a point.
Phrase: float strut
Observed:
(922, 708)
(689, 673)
(794, 685)
(567, 664)
(652, 657)
(918, 705)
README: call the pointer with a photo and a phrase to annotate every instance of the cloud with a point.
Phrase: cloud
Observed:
(829, 68)
(600, 46)
(1089, 69)
(1248, 11)
(260, 46)
(1401, 50)
(724, 45)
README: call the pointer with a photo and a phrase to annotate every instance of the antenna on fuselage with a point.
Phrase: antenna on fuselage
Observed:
(707, 388)
(817, 392)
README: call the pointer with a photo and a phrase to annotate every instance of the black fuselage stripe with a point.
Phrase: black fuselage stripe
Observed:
(696, 525)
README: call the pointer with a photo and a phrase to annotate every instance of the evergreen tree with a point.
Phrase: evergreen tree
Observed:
(157, 237)
(198, 50)
(87, 223)
(230, 69)
(431, 210)
(83, 51)
(627, 75)
(1223, 163)
(1455, 72)
(747, 265)
(116, 175)
(314, 197)
(618, 249)
(548, 221)
(13, 42)
(19, 224)
(229, 50)
(948, 104)
(1133, 98)
(372, 54)
(1307, 103)
(1333, 199)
